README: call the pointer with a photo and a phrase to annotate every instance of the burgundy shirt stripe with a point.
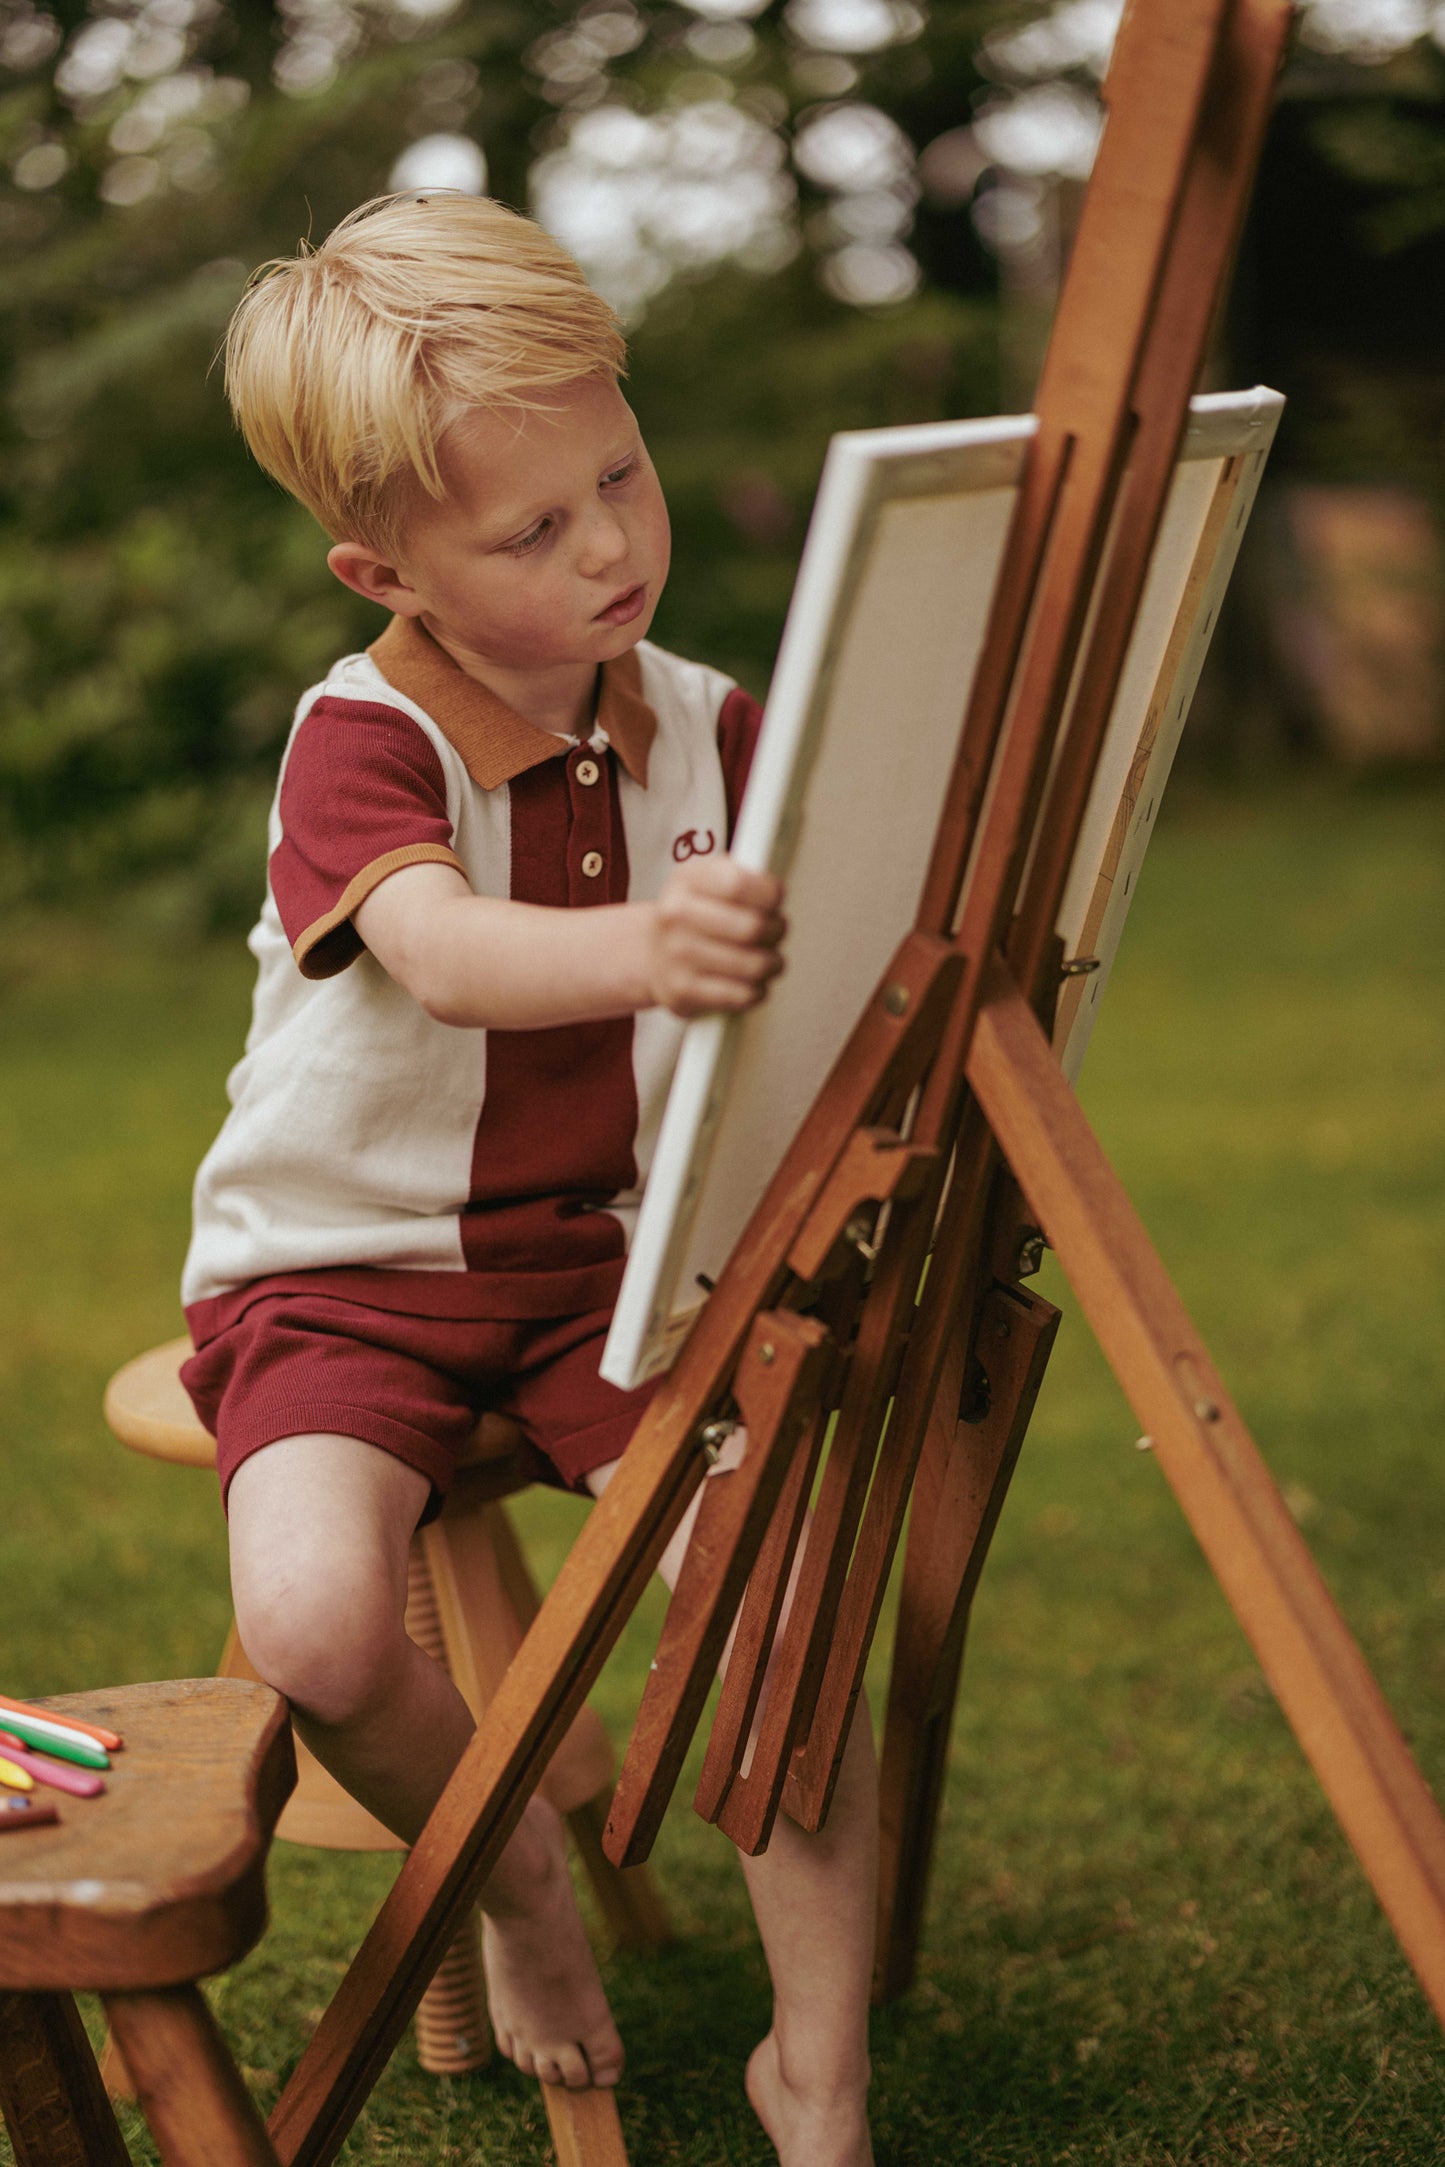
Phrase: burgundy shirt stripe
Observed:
(360, 781)
(555, 1137)
(739, 720)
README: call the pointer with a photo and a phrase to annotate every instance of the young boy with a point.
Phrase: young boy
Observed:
(498, 880)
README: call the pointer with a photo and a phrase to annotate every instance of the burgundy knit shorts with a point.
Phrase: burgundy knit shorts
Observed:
(414, 1386)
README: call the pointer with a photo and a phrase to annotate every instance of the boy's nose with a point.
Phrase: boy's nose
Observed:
(604, 544)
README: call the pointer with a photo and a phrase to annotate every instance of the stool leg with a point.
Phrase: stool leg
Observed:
(113, 2073)
(51, 2095)
(626, 1895)
(453, 2032)
(190, 2090)
(585, 2129)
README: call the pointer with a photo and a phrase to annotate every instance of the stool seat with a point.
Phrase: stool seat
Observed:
(161, 1880)
(149, 1409)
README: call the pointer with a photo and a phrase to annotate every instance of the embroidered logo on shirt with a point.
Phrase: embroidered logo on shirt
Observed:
(687, 845)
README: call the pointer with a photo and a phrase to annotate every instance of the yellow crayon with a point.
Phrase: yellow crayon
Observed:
(15, 1778)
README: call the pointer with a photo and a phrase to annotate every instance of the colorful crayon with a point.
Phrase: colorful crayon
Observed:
(14, 1777)
(60, 1776)
(26, 1813)
(53, 1737)
(110, 1739)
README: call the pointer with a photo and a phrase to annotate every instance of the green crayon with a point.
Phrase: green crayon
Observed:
(56, 1738)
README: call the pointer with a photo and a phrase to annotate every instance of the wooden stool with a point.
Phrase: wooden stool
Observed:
(136, 1896)
(470, 1600)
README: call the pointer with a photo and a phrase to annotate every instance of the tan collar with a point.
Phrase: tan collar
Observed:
(495, 742)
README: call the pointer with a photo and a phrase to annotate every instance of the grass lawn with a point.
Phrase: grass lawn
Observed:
(1147, 1940)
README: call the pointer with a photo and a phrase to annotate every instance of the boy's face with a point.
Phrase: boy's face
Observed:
(550, 549)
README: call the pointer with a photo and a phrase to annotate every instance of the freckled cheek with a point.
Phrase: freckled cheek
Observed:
(536, 620)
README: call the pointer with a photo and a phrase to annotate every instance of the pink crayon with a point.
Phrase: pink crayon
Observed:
(58, 1774)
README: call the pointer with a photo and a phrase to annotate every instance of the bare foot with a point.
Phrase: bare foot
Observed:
(807, 2129)
(549, 2013)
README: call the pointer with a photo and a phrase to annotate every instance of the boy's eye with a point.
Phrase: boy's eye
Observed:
(529, 540)
(621, 473)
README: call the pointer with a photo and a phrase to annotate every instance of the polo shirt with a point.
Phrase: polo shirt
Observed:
(413, 1164)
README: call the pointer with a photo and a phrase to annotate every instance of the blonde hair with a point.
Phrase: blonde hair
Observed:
(346, 364)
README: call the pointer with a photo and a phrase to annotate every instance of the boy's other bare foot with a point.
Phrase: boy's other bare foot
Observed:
(549, 2013)
(808, 2128)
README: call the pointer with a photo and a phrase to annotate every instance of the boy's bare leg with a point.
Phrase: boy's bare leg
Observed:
(814, 1899)
(320, 1530)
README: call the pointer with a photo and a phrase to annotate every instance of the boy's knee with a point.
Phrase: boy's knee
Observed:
(331, 1652)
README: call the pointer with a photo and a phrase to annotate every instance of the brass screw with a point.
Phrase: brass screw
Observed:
(856, 1232)
(896, 998)
(712, 1437)
(1206, 1410)
(767, 1354)
(1144, 1444)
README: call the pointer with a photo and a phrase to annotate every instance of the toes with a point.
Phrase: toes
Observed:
(570, 2064)
(604, 2058)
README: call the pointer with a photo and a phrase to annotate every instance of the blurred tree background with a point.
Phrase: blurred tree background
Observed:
(818, 215)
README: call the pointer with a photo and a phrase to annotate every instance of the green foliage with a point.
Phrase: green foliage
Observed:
(164, 605)
(1396, 152)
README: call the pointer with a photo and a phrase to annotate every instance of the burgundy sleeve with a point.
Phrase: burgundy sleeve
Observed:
(363, 795)
(739, 720)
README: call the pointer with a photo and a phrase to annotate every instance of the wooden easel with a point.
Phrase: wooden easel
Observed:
(948, 1108)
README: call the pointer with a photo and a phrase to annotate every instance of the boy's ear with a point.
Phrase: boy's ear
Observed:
(373, 576)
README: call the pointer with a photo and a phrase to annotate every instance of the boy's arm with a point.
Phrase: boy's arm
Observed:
(710, 941)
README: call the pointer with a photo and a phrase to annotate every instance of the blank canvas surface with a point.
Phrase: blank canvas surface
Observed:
(863, 718)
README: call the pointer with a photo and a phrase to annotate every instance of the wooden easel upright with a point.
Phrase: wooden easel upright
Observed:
(948, 1108)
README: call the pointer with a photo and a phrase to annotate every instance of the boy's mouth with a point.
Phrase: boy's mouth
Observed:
(625, 607)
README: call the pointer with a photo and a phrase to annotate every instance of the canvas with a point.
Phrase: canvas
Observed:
(873, 675)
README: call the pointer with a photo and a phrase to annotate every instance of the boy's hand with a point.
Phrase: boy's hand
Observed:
(715, 937)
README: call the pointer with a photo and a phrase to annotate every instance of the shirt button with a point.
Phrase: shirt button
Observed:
(592, 864)
(587, 771)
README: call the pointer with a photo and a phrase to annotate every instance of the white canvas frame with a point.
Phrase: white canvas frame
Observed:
(885, 627)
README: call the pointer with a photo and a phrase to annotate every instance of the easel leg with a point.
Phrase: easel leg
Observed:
(1210, 1461)
(585, 2129)
(53, 2101)
(627, 1897)
(963, 1477)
